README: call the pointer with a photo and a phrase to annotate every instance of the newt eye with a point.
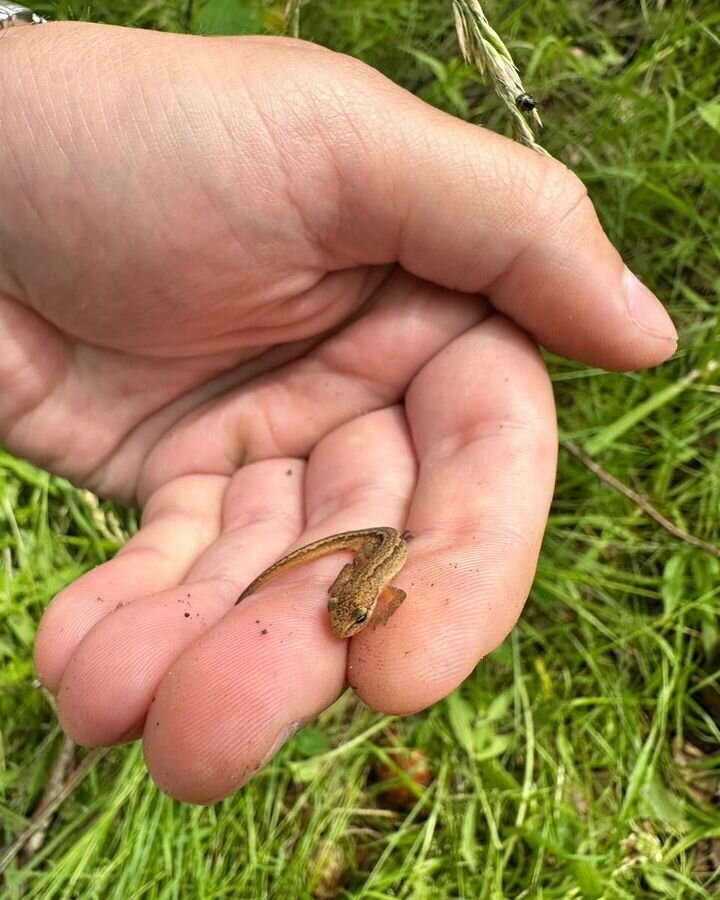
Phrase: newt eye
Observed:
(360, 618)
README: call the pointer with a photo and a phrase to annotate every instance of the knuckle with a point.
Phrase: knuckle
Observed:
(563, 199)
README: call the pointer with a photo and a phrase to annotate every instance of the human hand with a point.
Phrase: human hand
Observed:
(256, 288)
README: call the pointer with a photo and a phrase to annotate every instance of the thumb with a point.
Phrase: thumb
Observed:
(468, 209)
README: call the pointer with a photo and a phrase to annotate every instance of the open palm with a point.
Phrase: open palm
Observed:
(269, 296)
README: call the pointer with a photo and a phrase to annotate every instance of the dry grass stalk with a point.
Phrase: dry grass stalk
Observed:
(51, 805)
(56, 779)
(640, 501)
(482, 46)
(292, 16)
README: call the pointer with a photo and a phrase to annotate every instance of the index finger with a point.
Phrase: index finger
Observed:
(487, 449)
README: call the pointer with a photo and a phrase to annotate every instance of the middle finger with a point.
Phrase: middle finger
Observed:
(272, 663)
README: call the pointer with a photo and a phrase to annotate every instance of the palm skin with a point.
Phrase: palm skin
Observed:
(267, 295)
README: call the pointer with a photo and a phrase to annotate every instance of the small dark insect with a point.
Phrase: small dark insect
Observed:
(525, 103)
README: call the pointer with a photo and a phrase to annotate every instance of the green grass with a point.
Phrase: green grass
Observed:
(580, 760)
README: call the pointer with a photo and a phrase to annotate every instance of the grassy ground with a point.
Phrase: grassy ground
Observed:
(580, 760)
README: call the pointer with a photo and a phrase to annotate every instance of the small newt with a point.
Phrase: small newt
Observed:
(354, 595)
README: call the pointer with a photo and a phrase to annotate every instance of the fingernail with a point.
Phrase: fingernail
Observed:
(646, 310)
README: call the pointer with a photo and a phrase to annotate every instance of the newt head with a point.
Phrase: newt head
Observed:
(349, 612)
(362, 591)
